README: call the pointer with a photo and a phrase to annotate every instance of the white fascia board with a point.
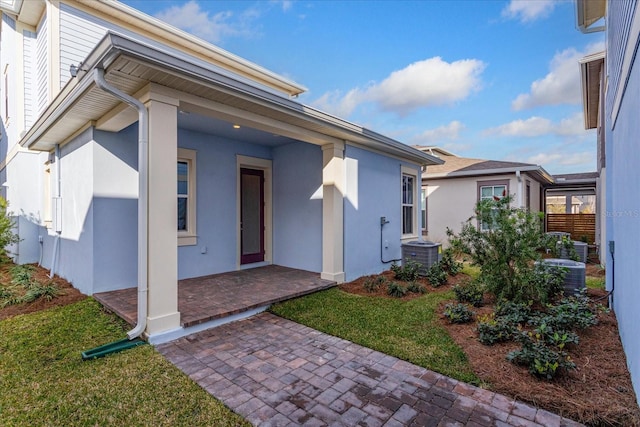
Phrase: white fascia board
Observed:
(11, 6)
(588, 12)
(543, 174)
(114, 45)
(191, 42)
(590, 86)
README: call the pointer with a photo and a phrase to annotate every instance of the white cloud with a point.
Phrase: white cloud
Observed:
(425, 83)
(449, 132)
(583, 158)
(285, 4)
(561, 85)
(528, 10)
(538, 126)
(212, 27)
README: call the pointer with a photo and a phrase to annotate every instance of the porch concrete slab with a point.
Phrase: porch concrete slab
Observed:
(206, 298)
(275, 372)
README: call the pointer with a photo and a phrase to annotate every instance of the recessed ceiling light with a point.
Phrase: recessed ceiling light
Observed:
(236, 126)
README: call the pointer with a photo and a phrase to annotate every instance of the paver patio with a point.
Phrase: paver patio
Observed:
(275, 372)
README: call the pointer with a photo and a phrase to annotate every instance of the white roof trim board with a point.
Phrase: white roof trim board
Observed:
(588, 13)
(590, 69)
(58, 118)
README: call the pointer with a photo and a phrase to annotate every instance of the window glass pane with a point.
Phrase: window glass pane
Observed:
(499, 191)
(407, 189)
(182, 213)
(183, 178)
(407, 219)
(486, 192)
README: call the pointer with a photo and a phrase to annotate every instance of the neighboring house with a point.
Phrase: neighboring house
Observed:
(451, 190)
(134, 154)
(611, 84)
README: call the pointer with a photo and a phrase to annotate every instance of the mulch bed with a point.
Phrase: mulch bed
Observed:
(597, 392)
(68, 295)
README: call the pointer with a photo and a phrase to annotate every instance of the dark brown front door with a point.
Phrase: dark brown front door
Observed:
(251, 216)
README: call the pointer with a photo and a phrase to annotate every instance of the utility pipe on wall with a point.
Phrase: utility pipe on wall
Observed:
(143, 206)
(58, 211)
(520, 190)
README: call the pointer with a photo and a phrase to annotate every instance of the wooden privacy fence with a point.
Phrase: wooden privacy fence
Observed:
(579, 225)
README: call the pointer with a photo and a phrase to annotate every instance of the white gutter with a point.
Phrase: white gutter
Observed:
(143, 177)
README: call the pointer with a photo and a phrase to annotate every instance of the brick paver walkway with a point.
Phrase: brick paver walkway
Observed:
(275, 372)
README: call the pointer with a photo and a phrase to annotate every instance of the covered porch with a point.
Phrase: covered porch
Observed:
(219, 296)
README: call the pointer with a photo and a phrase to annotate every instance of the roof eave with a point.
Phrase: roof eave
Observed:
(590, 68)
(536, 170)
(588, 12)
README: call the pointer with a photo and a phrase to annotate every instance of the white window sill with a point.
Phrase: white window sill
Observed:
(187, 240)
(408, 238)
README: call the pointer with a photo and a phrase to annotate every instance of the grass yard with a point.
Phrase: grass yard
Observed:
(407, 329)
(45, 382)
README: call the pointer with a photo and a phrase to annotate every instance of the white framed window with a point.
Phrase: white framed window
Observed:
(492, 190)
(409, 202)
(186, 197)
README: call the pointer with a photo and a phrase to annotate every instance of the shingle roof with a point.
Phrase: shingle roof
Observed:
(463, 164)
(574, 176)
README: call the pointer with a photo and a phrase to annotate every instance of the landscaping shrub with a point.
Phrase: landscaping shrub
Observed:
(471, 292)
(492, 329)
(436, 275)
(408, 271)
(458, 313)
(372, 284)
(449, 264)
(506, 251)
(416, 288)
(539, 358)
(396, 290)
(516, 313)
(7, 236)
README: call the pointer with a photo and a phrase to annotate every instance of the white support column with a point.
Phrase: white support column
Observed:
(162, 261)
(333, 191)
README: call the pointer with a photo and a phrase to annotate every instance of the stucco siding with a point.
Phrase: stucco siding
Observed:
(115, 209)
(452, 201)
(622, 176)
(373, 191)
(297, 206)
(217, 221)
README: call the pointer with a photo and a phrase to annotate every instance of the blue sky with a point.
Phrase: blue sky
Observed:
(486, 79)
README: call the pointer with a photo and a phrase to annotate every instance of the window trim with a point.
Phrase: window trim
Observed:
(416, 196)
(189, 237)
(490, 183)
(424, 201)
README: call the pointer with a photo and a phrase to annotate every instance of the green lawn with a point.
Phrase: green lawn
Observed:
(405, 329)
(43, 380)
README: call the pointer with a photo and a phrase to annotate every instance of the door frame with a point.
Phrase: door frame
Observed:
(245, 162)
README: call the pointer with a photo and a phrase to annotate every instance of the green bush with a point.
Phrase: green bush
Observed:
(492, 329)
(471, 292)
(506, 251)
(416, 288)
(22, 275)
(396, 290)
(514, 312)
(458, 313)
(372, 284)
(7, 236)
(436, 275)
(541, 360)
(408, 271)
(449, 264)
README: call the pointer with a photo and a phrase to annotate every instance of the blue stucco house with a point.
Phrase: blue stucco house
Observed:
(611, 99)
(135, 154)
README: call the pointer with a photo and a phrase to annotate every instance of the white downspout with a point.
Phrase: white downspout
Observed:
(520, 189)
(143, 178)
(58, 211)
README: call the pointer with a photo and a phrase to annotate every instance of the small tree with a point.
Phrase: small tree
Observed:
(506, 250)
(7, 236)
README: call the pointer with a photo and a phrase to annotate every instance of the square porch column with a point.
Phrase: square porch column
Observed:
(162, 262)
(333, 190)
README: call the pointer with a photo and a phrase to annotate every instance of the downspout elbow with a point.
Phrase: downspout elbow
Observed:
(143, 139)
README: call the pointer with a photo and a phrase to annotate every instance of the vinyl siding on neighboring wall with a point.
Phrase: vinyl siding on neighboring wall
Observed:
(620, 15)
(42, 68)
(29, 64)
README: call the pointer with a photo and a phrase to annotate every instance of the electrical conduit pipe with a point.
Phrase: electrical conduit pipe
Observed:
(143, 178)
(57, 225)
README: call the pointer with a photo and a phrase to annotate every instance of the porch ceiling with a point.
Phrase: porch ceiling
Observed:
(132, 67)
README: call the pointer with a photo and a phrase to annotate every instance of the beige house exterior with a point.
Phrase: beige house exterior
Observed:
(451, 190)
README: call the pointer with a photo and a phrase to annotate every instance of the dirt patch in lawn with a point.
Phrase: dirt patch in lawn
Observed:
(68, 294)
(597, 392)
